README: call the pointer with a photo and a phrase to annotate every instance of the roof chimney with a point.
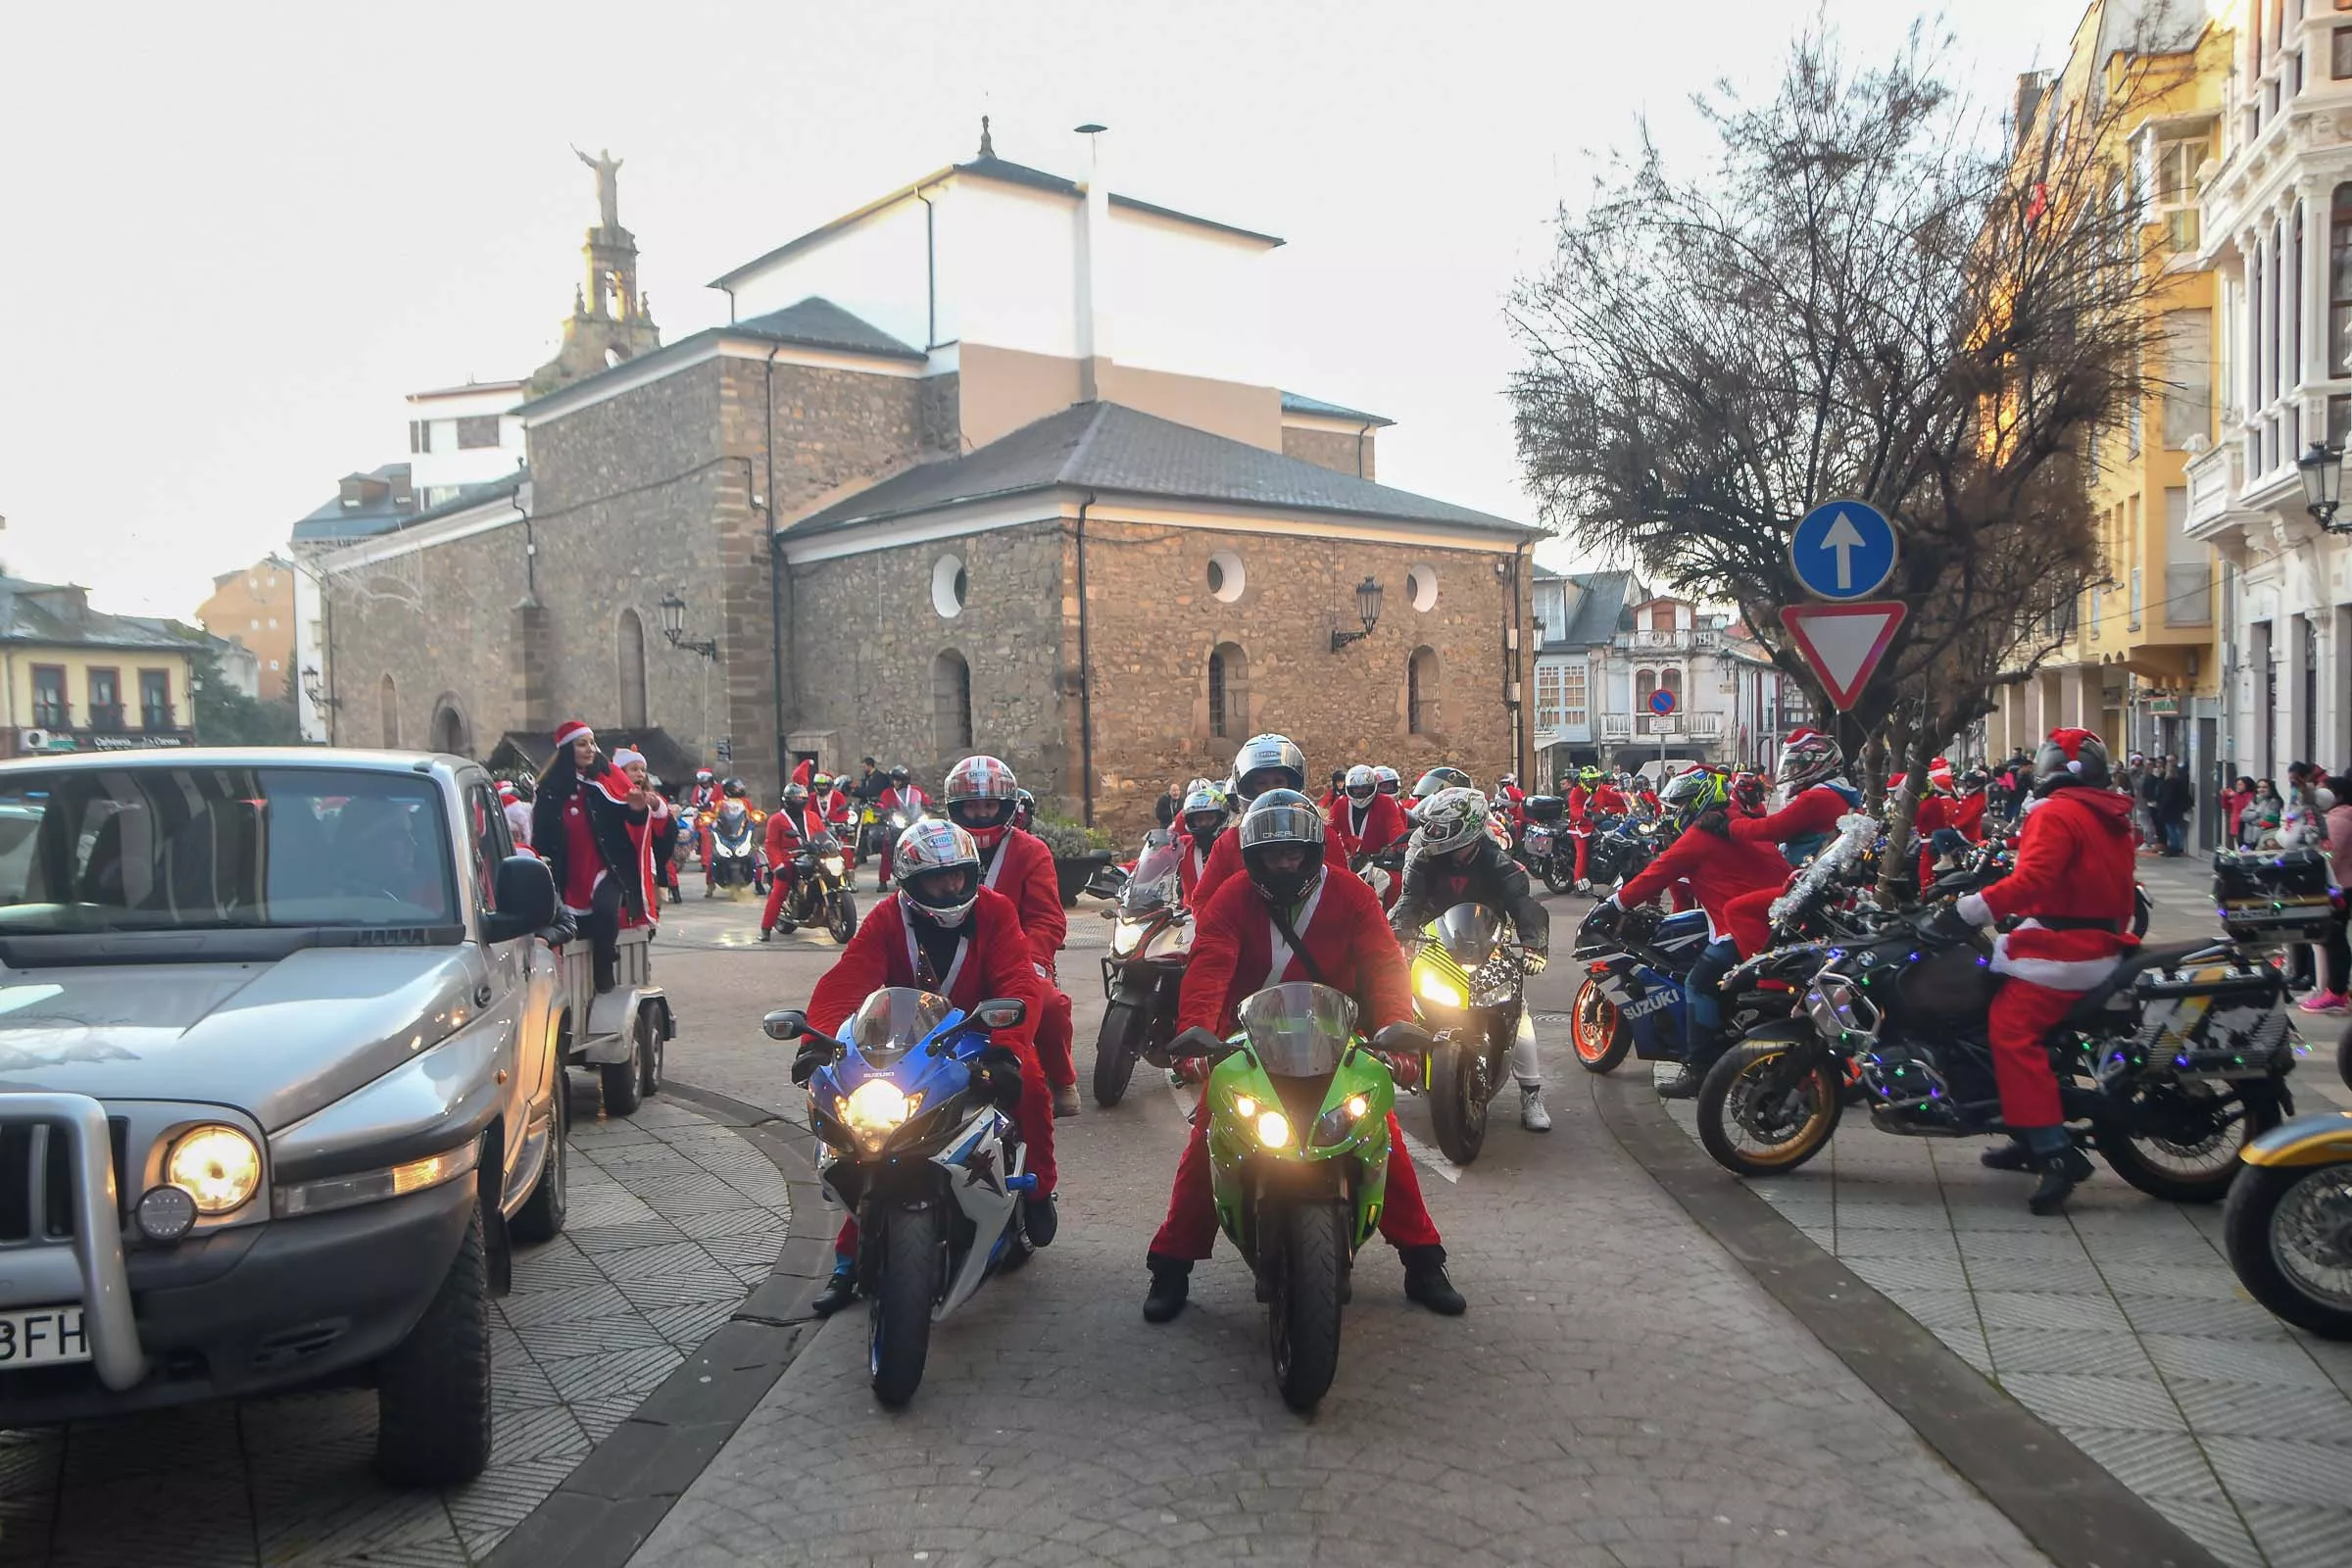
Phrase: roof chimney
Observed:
(2031, 86)
(1094, 247)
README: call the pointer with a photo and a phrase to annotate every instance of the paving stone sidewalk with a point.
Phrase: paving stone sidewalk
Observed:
(673, 1218)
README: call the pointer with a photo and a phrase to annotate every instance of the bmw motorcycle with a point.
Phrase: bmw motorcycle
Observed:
(1151, 944)
(1469, 988)
(921, 1151)
(738, 859)
(820, 890)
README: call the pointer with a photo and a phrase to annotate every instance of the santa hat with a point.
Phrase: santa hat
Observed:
(2070, 746)
(1802, 734)
(571, 730)
(625, 756)
(506, 790)
(1940, 772)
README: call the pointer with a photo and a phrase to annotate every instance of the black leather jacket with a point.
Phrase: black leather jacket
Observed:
(1492, 878)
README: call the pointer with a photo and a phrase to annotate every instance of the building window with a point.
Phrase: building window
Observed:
(1421, 716)
(1547, 695)
(106, 698)
(387, 715)
(1573, 702)
(1228, 691)
(2340, 283)
(1421, 588)
(449, 729)
(2176, 193)
(49, 707)
(632, 670)
(420, 435)
(2339, 53)
(951, 704)
(477, 431)
(155, 700)
(2188, 377)
(1226, 576)
(948, 586)
(1645, 682)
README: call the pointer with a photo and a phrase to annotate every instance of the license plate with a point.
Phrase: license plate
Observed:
(42, 1335)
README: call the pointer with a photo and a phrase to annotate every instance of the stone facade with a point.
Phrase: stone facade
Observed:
(432, 631)
(1330, 449)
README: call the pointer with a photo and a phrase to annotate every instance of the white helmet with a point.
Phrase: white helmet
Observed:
(1362, 782)
(1451, 818)
(932, 846)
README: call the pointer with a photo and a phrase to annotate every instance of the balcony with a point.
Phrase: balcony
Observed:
(2189, 595)
(1688, 640)
(1674, 726)
(107, 717)
(2214, 477)
(52, 715)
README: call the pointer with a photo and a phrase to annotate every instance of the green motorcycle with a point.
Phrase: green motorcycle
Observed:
(1298, 1158)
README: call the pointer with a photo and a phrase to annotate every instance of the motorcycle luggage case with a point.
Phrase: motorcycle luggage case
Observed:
(1543, 807)
(2221, 1020)
(2272, 894)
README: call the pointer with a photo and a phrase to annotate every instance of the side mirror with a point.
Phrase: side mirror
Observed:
(1195, 1042)
(525, 894)
(787, 1024)
(1004, 1013)
(1402, 1038)
(1109, 915)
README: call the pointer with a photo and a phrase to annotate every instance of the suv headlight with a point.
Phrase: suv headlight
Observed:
(374, 1186)
(218, 1166)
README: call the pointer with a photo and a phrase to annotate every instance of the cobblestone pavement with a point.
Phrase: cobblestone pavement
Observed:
(673, 1218)
(2120, 1325)
(1620, 1393)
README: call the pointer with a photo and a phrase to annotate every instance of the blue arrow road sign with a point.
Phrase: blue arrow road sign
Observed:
(1842, 550)
(1661, 702)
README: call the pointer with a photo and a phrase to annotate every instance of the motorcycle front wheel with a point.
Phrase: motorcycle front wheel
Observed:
(1116, 1047)
(1599, 1035)
(1303, 1315)
(2184, 1146)
(2288, 1233)
(1555, 878)
(899, 1333)
(844, 921)
(1459, 1087)
(1751, 1126)
(2343, 1057)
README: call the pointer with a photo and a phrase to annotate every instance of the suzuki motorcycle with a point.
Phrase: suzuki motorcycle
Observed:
(1468, 986)
(925, 1157)
(1298, 1110)
(738, 859)
(2288, 1228)
(1151, 943)
(820, 890)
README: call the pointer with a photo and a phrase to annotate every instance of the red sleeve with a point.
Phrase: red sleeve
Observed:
(779, 826)
(1969, 816)
(1040, 899)
(1224, 860)
(1008, 971)
(2045, 858)
(1384, 826)
(1383, 981)
(1934, 813)
(1679, 860)
(862, 969)
(1815, 810)
(1216, 949)
(1577, 803)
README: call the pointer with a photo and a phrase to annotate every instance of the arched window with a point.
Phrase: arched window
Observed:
(632, 670)
(450, 731)
(387, 700)
(1672, 680)
(1645, 682)
(1421, 692)
(1228, 691)
(951, 704)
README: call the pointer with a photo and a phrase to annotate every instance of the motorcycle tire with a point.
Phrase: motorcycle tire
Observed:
(1302, 1316)
(1116, 1047)
(899, 1330)
(2258, 1100)
(1738, 1070)
(1460, 1089)
(1554, 878)
(2343, 1057)
(1600, 1037)
(844, 921)
(2266, 1217)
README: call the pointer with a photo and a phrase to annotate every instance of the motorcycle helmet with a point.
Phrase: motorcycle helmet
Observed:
(1453, 819)
(1592, 778)
(937, 867)
(703, 776)
(1267, 762)
(1441, 777)
(1386, 781)
(1507, 781)
(980, 792)
(2070, 757)
(1024, 809)
(733, 789)
(1808, 758)
(899, 777)
(1276, 821)
(1972, 780)
(1692, 794)
(1362, 783)
(822, 783)
(796, 796)
(1204, 814)
(1748, 794)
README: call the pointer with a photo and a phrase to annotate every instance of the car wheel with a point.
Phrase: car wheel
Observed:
(542, 1215)
(433, 1391)
(652, 1036)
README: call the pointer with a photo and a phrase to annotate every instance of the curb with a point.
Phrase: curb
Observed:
(612, 1500)
(2065, 1502)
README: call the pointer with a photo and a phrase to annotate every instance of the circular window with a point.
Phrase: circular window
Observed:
(1421, 587)
(948, 587)
(1226, 578)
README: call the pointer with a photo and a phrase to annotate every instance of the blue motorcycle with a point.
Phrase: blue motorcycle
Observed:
(913, 1103)
(1631, 999)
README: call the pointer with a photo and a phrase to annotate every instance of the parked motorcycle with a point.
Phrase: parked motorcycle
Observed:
(2288, 1228)
(1619, 846)
(1151, 943)
(1543, 849)
(925, 1157)
(738, 859)
(819, 893)
(1469, 987)
(1299, 1159)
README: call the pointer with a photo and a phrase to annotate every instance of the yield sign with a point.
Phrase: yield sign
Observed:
(1843, 643)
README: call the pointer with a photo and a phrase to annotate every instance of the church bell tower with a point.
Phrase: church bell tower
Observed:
(610, 318)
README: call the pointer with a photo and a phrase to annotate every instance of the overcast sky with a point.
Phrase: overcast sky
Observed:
(233, 236)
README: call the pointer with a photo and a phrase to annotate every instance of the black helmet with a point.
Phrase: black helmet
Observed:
(1275, 755)
(1442, 777)
(1024, 809)
(733, 789)
(2071, 756)
(898, 775)
(1282, 819)
(796, 796)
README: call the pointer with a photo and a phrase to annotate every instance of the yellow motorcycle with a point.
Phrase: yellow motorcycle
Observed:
(2288, 1228)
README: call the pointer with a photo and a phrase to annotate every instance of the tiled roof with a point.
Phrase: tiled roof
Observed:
(820, 323)
(1602, 601)
(58, 615)
(1109, 447)
(336, 522)
(1296, 403)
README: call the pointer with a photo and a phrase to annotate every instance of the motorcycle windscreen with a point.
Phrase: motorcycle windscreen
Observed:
(894, 1021)
(1299, 1029)
(1468, 933)
(1154, 882)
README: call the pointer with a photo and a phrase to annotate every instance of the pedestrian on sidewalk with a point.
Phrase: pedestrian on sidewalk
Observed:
(2335, 978)
(2262, 816)
(2234, 801)
(2176, 798)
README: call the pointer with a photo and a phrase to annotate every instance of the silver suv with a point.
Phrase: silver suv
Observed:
(280, 1074)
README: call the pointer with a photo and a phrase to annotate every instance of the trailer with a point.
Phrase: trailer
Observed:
(620, 1034)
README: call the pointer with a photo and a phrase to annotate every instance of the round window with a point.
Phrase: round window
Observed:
(1421, 587)
(1226, 578)
(948, 587)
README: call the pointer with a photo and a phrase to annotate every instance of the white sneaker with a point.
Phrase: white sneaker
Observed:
(1531, 1114)
(1584, 884)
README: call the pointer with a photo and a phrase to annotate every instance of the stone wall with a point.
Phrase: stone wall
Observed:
(440, 623)
(1327, 449)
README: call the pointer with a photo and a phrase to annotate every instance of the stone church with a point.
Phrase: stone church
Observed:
(989, 463)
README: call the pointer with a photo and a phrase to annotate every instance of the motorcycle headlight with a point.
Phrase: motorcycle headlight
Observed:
(1124, 936)
(832, 866)
(1273, 1129)
(1335, 1124)
(219, 1166)
(1244, 1107)
(1436, 988)
(875, 1109)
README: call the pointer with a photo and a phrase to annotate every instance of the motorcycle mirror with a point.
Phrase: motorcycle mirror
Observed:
(1402, 1038)
(788, 1023)
(1195, 1042)
(1004, 1013)
(1109, 915)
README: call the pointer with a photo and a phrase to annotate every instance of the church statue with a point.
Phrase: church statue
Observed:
(607, 184)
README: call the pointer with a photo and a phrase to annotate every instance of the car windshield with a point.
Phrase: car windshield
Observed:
(195, 847)
(1155, 882)
(892, 1022)
(1299, 1029)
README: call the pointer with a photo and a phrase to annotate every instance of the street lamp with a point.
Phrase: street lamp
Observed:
(2323, 469)
(674, 628)
(314, 686)
(1367, 610)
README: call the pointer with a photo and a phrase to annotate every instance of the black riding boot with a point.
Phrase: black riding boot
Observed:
(841, 1289)
(1171, 1282)
(1425, 1281)
(2061, 1173)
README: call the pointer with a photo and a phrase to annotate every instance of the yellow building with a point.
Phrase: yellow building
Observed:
(73, 678)
(2140, 663)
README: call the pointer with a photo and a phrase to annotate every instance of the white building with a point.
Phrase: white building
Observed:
(461, 435)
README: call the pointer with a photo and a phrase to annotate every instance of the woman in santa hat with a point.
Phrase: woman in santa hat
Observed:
(580, 826)
(654, 838)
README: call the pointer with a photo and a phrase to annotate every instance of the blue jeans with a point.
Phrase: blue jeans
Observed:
(1702, 1007)
(2174, 831)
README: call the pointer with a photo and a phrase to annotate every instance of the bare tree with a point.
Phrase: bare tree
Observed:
(1867, 295)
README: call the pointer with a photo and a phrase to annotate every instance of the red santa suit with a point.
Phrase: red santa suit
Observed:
(786, 838)
(1367, 828)
(649, 876)
(2072, 892)
(1021, 868)
(992, 961)
(1224, 863)
(1799, 828)
(834, 807)
(912, 799)
(1191, 863)
(1718, 872)
(1235, 954)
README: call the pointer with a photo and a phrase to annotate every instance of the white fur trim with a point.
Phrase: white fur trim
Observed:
(2055, 974)
(1975, 911)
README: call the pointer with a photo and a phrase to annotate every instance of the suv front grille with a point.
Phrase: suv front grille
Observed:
(36, 1180)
